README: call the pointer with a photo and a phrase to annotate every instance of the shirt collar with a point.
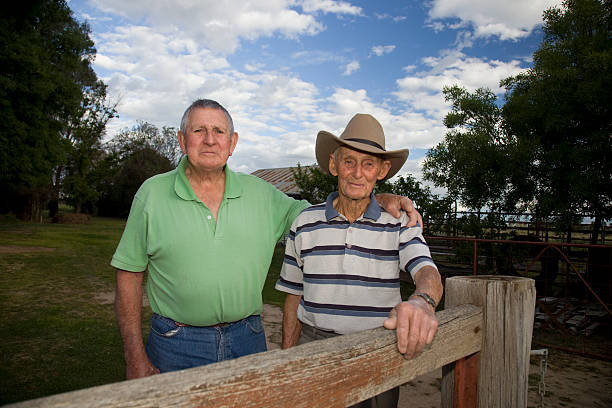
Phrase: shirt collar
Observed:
(372, 212)
(233, 187)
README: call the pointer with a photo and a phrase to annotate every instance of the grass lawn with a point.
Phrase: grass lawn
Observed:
(56, 336)
(57, 320)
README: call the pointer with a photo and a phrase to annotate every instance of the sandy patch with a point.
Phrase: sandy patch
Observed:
(108, 298)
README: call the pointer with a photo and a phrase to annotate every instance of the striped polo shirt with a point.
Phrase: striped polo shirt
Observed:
(348, 273)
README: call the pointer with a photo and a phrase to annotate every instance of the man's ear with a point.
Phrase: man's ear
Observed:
(181, 139)
(233, 142)
(332, 165)
(384, 169)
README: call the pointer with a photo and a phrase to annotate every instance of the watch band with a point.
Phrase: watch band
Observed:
(427, 298)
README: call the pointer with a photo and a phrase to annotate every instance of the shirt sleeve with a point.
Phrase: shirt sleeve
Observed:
(291, 278)
(413, 250)
(131, 253)
(286, 210)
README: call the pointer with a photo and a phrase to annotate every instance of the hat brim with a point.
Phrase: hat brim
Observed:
(327, 143)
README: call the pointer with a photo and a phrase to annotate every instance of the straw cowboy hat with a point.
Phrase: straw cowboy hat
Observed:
(362, 133)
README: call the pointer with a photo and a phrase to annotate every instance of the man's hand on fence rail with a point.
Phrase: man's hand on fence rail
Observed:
(415, 324)
(142, 368)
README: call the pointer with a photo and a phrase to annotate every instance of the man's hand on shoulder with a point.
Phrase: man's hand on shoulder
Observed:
(393, 204)
(415, 324)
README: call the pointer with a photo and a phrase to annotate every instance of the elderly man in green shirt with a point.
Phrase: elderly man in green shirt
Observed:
(206, 236)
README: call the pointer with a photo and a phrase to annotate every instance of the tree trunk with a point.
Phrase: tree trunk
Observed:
(595, 230)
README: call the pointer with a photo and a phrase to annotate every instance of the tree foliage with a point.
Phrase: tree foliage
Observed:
(133, 156)
(434, 209)
(45, 63)
(470, 161)
(85, 152)
(560, 112)
(548, 149)
(145, 135)
(314, 185)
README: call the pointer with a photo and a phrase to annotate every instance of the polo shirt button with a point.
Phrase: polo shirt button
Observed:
(209, 217)
(348, 246)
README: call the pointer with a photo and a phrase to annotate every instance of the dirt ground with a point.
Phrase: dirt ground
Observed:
(570, 380)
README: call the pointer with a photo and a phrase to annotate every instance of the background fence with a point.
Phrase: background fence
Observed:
(573, 284)
(523, 226)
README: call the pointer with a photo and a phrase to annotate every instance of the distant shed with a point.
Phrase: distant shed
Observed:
(281, 178)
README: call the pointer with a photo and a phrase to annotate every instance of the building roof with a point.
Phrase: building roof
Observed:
(281, 178)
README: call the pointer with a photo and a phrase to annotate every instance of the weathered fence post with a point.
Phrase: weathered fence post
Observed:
(508, 304)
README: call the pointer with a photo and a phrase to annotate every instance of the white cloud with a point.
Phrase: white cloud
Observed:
(315, 57)
(508, 20)
(351, 67)
(159, 60)
(380, 50)
(422, 90)
(403, 129)
(253, 67)
(330, 6)
(220, 24)
(155, 79)
(384, 16)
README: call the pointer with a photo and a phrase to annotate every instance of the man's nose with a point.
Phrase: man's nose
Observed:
(358, 171)
(208, 138)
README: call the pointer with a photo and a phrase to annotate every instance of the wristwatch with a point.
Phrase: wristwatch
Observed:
(427, 298)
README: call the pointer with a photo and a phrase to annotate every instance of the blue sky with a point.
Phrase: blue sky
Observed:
(286, 69)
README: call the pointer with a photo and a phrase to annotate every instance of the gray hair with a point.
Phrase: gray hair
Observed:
(207, 103)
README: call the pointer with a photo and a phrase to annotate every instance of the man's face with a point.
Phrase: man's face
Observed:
(357, 172)
(207, 142)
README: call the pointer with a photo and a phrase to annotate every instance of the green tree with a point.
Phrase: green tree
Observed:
(470, 161)
(314, 185)
(164, 141)
(45, 61)
(410, 187)
(560, 113)
(133, 156)
(85, 149)
(434, 209)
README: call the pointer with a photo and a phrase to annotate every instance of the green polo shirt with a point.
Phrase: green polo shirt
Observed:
(202, 272)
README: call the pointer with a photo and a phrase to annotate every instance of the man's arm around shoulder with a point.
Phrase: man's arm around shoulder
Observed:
(128, 310)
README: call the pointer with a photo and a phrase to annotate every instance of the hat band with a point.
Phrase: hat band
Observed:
(368, 142)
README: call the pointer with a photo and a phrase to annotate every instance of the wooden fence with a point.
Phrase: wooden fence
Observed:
(490, 336)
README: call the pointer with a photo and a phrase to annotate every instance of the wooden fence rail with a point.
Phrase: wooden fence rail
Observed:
(343, 370)
(335, 372)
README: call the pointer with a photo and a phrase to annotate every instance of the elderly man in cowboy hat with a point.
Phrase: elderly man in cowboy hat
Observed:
(343, 257)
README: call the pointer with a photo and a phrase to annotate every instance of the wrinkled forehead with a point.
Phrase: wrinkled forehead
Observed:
(344, 151)
(208, 117)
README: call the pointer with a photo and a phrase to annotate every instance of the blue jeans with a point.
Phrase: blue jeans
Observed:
(172, 347)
